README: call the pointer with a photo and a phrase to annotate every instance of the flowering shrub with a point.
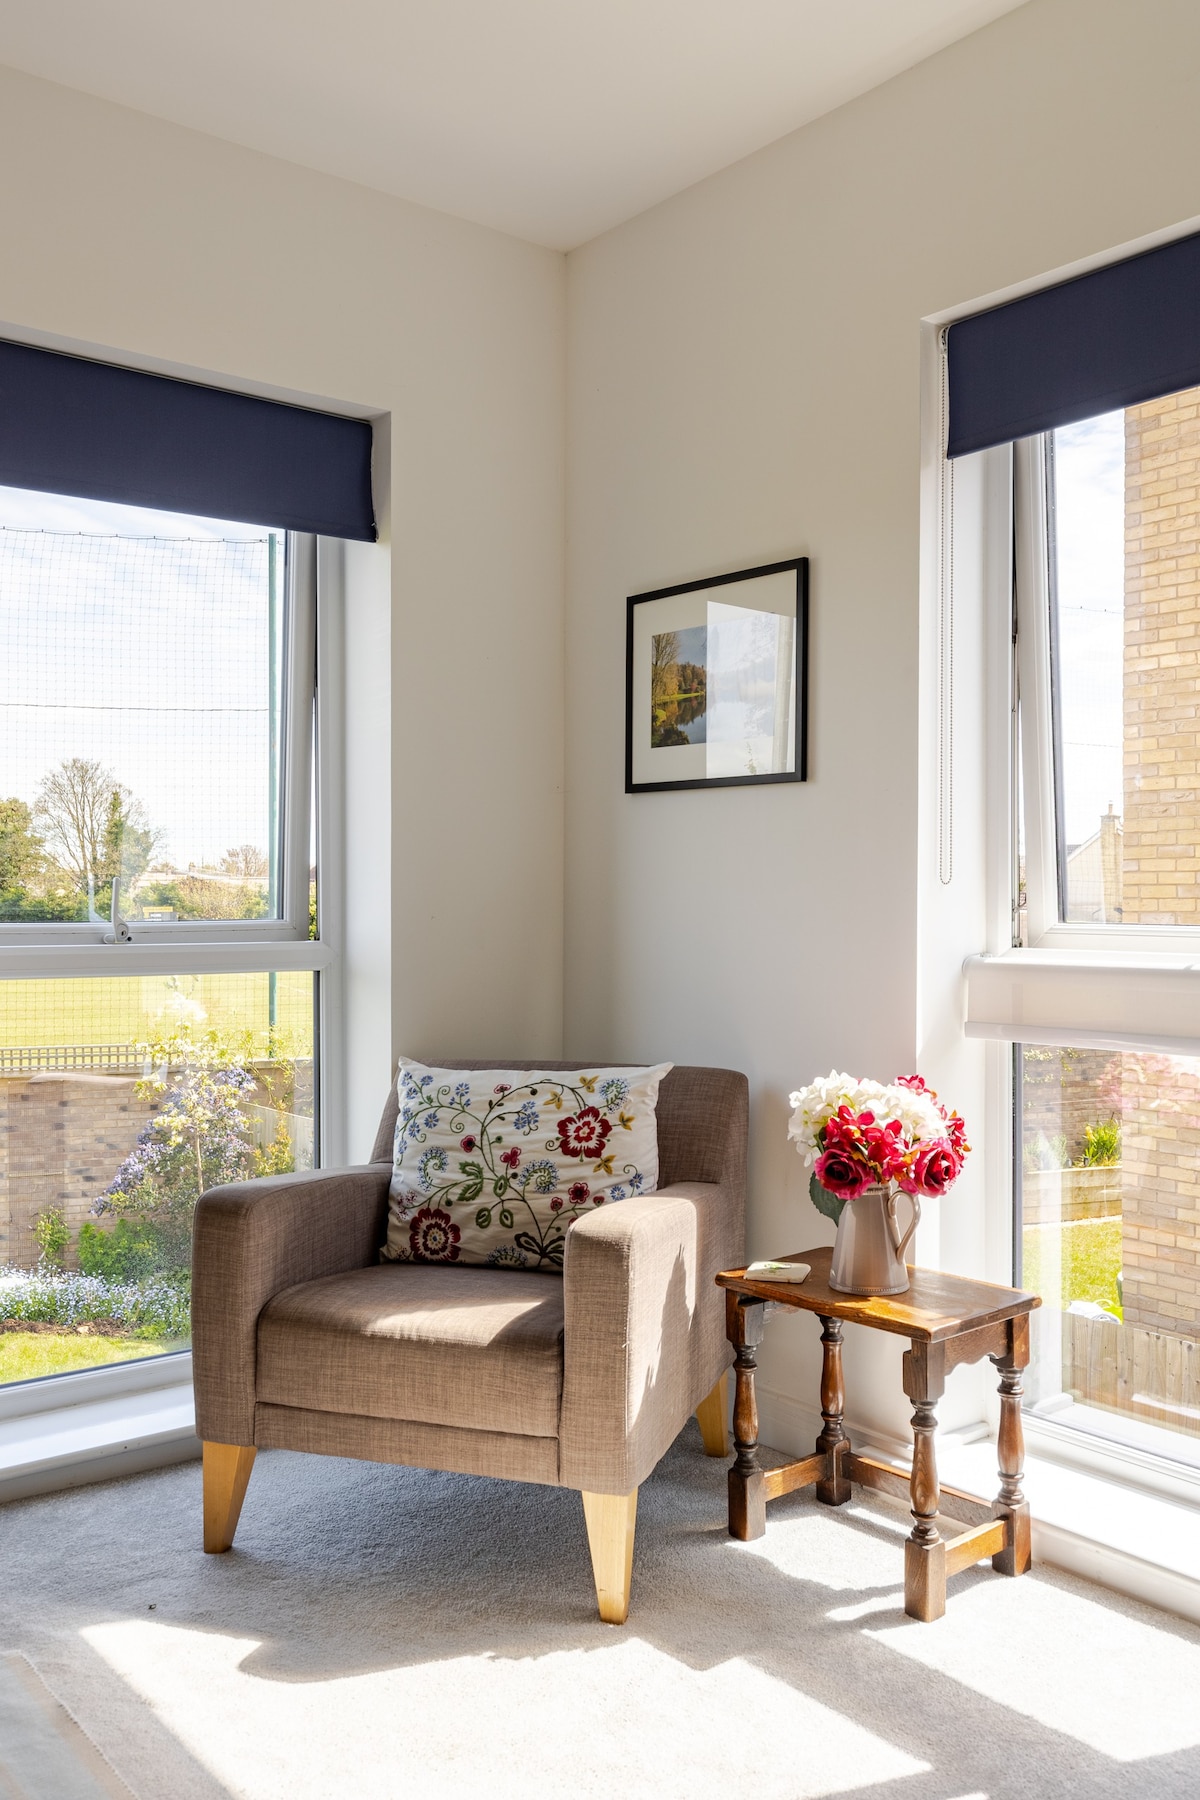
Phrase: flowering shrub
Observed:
(156, 1308)
(200, 1137)
(860, 1134)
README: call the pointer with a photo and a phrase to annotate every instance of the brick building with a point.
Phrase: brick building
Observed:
(1160, 876)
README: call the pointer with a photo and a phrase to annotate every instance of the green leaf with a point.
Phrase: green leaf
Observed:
(483, 1217)
(506, 1218)
(471, 1191)
(824, 1201)
(471, 1168)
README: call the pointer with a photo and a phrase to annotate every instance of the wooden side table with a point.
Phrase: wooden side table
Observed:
(947, 1320)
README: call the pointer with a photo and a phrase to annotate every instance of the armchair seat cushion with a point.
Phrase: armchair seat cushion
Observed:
(477, 1348)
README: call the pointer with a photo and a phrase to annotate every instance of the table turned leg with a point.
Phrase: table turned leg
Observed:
(1011, 1503)
(747, 1491)
(834, 1486)
(925, 1549)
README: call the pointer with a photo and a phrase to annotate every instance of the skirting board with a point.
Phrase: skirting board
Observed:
(786, 1424)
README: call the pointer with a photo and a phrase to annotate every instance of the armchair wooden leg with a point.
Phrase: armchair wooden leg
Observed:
(610, 1522)
(712, 1416)
(226, 1472)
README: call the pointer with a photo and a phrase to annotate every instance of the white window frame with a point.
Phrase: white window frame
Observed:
(197, 946)
(968, 1028)
(99, 1403)
(1047, 929)
(312, 722)
(1119, 987)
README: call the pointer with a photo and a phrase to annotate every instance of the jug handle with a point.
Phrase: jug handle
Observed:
(902, 1243)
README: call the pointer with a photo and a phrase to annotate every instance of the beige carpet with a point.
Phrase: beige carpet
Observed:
(382, 1633)
(43, 1753)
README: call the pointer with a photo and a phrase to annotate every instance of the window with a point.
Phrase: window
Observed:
(1116, 789)
(158, 906)
(1108, 1110)
(1091, 390)
(1109, 1184)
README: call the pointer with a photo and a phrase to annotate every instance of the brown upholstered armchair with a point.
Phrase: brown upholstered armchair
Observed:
(303, 1340)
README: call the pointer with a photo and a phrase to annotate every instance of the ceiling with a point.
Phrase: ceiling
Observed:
(550, 119)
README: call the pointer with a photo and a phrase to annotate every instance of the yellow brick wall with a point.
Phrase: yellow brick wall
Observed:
(1161, 872)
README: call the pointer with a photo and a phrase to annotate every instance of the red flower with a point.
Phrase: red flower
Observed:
(467, 1143)
(556, 1203)
(502, 1087)
(510, 1157)
(883, 1149)
(934, 1167)
(915, 1082)
(858, 1140)
(583, 1133)
(843, 1174)
(434, 1236)
(956, 1131)
(579, 1191)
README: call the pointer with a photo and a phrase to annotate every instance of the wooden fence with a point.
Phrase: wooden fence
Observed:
(1147, 1374)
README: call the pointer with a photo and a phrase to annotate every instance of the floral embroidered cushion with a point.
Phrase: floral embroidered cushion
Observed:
(493, 1166)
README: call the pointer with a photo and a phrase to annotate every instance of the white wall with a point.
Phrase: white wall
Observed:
(127, 235)
(745, 384)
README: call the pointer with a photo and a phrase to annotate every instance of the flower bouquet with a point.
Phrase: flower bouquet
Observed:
(868, 1142)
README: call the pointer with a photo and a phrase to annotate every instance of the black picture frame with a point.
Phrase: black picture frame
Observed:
(798, 565)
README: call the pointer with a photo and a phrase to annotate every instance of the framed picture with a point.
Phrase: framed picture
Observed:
(716, 681)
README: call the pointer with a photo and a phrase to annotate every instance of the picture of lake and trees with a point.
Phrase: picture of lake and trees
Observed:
(679, 687)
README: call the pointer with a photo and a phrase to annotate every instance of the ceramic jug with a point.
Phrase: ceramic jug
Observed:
(868, 1254)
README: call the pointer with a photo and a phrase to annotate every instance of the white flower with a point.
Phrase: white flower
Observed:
(813, 1107)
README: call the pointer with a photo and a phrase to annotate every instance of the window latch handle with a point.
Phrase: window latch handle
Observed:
(120, 933)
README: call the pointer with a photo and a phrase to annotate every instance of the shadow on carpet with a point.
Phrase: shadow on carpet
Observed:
(379, 1632)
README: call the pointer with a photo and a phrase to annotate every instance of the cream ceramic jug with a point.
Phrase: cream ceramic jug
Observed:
(868, 1253)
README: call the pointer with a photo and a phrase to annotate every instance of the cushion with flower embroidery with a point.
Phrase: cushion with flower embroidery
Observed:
(494, 1166)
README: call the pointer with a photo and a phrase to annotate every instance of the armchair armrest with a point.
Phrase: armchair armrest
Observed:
(644, 1336)
(251, 1240)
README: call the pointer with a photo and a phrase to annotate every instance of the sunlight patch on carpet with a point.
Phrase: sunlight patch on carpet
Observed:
(619, 1716)
(1122, 1687)
(816, 1548)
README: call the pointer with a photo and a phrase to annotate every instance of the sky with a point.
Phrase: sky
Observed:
(1090, 492)
(139, 639)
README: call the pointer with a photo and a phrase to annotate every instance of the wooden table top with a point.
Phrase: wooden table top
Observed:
(935, 1307)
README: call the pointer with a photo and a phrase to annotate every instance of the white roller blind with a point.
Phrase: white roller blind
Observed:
(1118, 1003)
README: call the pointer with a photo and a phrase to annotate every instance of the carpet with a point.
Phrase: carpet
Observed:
(44, 1755)
(392, 1634)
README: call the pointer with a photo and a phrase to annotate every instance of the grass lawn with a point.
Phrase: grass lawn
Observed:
(1090, 1250)
(127, 1009)
(24, 1354)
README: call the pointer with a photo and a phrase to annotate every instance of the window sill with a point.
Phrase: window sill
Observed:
(70, 1430)
(1140, 1543)
(1106, 1527)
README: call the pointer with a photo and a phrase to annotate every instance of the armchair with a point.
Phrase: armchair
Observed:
(303, 1340)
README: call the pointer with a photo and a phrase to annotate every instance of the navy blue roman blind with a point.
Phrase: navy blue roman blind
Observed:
(72, 426)
(1122, 334)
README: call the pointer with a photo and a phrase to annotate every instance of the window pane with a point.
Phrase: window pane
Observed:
(1110, 1238)
(120, 1100)
(139, 725)
(1125, 544)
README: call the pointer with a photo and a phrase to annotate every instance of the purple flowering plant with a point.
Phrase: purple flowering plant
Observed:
(200, 1136)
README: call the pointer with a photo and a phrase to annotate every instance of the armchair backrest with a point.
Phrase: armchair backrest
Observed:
(702, 1121)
